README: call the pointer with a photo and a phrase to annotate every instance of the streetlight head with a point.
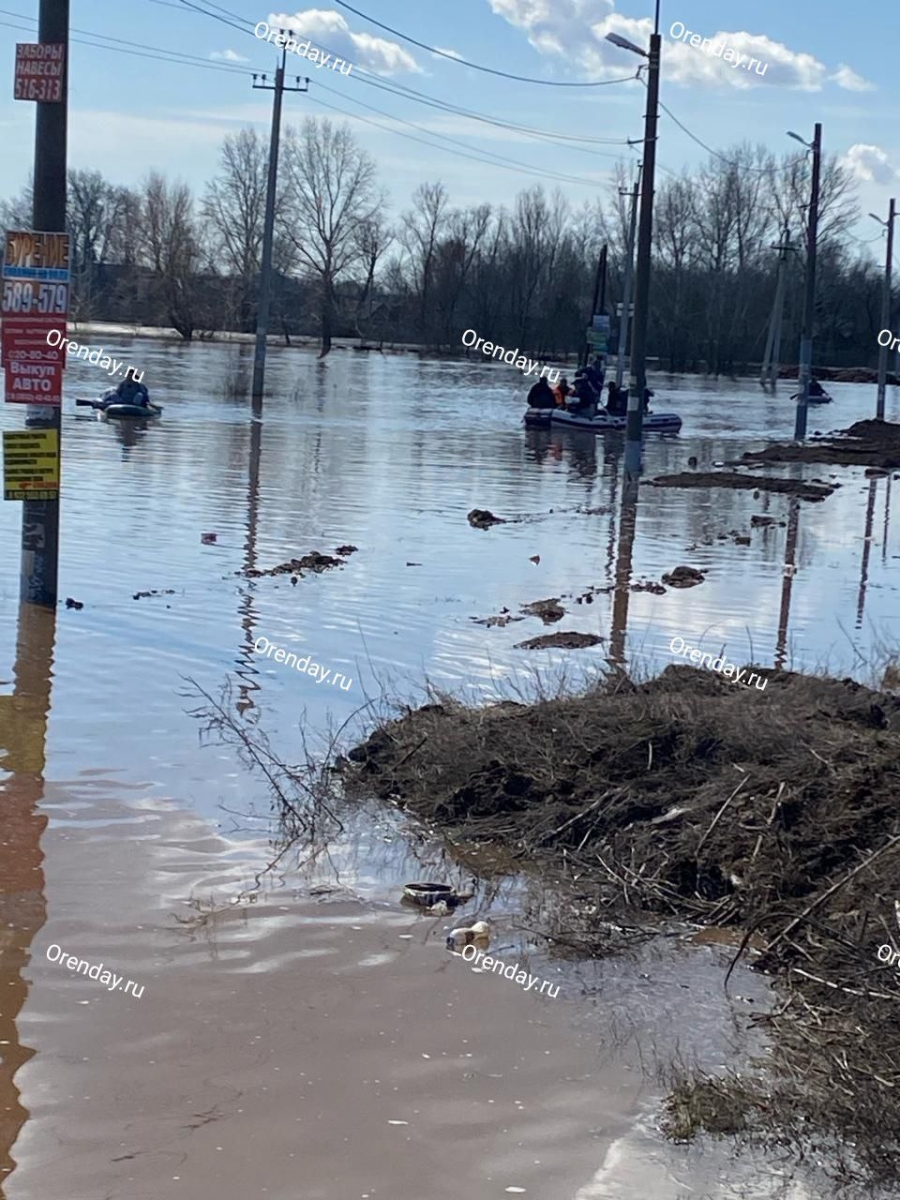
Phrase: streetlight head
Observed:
(624, 44)
(878, 219)
(798, 138)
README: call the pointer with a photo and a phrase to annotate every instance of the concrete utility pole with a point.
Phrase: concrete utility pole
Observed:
(809, 297)
(638, 375)
(39, 572)
(885, 309)
(265, 281)
(772, 355)
(629, 279)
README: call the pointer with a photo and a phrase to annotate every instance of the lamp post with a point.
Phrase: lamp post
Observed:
(885, 308)
(809, 297)
(638, 371)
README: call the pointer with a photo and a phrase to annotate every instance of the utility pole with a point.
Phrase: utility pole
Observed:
(599, 301)
(809, 297)
(885, 309)
(772, 355)
(629, 280)
(638, 374)
(39, 571)
(265, 280)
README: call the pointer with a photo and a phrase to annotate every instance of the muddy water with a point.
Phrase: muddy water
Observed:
(273, 1046)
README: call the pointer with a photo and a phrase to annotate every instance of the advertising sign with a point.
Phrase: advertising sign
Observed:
(33, 254)
(24, 339)
(31, 464)
(33, 383)
(33, 299)
(600, 323)
(597, 341)
(39, 71)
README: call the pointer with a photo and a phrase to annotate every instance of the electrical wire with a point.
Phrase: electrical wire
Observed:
(470, 152)
(730, 162)
(158, 53)
(474, 66)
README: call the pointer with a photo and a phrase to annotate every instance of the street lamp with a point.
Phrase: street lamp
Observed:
(624, 44)
(809, 297)
(637, 382)
(885, 308)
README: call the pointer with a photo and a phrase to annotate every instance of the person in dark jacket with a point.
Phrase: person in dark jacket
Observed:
(584, 399)
(616, 400)
(595, 373)
(541, 395)
(131, 391)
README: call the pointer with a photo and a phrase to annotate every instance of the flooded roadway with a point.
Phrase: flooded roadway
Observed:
(273, 1046)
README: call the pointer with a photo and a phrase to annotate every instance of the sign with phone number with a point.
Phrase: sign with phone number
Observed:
(32, 298)
(31, 464)
(39, 71)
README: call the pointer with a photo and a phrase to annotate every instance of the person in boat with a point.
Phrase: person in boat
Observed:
(131, 391)
(584, 398)
(596, 372)
(541, 395)
(647, 395)
(815, 388)
(616, 400)
(562, 390)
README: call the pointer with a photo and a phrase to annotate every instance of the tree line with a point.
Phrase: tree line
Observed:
(158, 255)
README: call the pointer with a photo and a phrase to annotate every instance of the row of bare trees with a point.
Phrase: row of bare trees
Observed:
(524, 276)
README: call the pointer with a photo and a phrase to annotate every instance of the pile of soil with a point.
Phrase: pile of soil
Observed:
(684, 797)
(865, 443)
(731, 479)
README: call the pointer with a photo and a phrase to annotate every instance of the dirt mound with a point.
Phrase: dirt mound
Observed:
(731, 479)
(775, 813)
(866, 443)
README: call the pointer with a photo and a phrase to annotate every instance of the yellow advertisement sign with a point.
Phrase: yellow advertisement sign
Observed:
(31, 464)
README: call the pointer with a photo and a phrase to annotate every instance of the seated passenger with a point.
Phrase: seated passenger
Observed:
(562, 390)
(131, 391)
(617, 400)
(815, 388)
(541, 395)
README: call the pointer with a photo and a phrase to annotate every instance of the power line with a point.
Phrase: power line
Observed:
(475, 67)
(159, 53)
(521, 168)
(730, 162)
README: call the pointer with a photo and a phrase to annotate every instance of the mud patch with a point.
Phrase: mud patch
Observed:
(731, 479)
(560, 641)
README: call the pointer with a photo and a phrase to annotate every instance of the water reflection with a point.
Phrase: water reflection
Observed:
(23, 907)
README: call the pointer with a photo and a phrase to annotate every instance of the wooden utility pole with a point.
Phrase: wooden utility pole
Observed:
(809, 296)
(39, 572)
(629, 280)
(772, 355)
(885, 311)
(265, 285)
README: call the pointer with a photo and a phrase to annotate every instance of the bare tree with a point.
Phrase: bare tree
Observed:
(330, 192)
(171, 245)
(421, 232)
(234, 209)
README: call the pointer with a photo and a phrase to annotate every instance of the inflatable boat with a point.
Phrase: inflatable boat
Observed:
(119, 409)
(544, 418)
(823, 399)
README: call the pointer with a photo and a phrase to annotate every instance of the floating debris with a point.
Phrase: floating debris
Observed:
(548, 610)
(560, 641)
(208, 539)
(483, 518)
(154, 592)
(683, 577)
(76, 604)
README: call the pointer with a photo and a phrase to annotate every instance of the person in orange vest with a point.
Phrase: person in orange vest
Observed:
(561, 391)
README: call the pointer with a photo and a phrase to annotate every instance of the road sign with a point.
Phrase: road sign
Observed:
(600, 323)
(24, 339)
(33, 254)
(39, 71)
(31, 464)
(596, 340)
(33, 383)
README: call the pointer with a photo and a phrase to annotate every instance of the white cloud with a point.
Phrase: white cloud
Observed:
(228, 56)
(847, 78)
(328, 30)
(869, 163)
(575, 30)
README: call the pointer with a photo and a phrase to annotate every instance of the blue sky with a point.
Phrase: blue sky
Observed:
(129, 114)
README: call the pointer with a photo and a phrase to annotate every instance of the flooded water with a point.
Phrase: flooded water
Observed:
(324, 1043)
